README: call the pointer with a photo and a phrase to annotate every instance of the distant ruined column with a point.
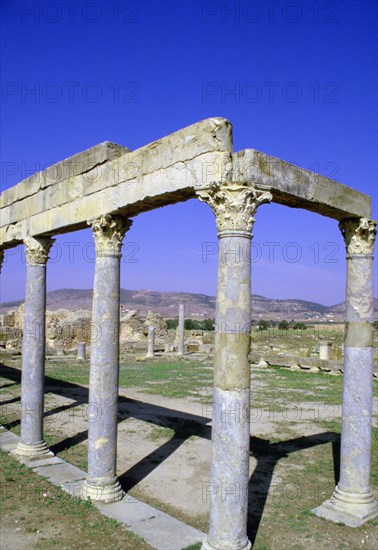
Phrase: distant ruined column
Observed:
(181, 331)
(151, 342)
(352, 502)
(32, 444)
(102, 483)
(325, 350)
(234, 205)
(81, 352)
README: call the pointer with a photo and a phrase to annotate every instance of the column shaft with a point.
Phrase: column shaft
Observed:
(151, 341)
(181, 330)
(234, 205)
(81, 351)
(352, 502)
(358, 378)
(102, 483)
(33, 351)
(231, 401)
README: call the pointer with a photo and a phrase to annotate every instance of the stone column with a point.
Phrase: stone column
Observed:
(32, 444)
(81, 351)
(325, 350)
(181, 331)
(234, 206)
(102, 483)
(151, 342)
(352, 502)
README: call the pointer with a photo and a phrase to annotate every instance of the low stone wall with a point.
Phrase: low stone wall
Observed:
(311, 364)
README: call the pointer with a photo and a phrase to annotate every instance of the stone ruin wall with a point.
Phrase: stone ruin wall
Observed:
(65, 329)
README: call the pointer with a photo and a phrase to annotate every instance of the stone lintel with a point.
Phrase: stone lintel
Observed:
(66, 169)
(110, 179)
(160, 173)
(296, 187)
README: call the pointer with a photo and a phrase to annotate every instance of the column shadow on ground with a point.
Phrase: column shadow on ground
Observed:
(51, 385)
(3, 386)
(10, 401)
(268, 455)
(184, 425)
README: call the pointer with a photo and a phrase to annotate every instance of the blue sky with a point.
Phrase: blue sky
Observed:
(298, 80)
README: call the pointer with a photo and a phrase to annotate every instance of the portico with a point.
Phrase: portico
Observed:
(108, 185)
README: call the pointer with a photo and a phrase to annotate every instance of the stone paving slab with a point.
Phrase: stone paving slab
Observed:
(129, 508)
(130, 505)
(166, 533)
(42, 462)
(160, 530)
(8, 441)
(73, 487)
(60, 473)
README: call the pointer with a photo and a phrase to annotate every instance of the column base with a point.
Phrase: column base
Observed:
(231, 546)
(352, 509)
(33, 452)
(149, 355)
(104, 492)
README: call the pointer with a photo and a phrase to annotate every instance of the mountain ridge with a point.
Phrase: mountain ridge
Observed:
(197, 304)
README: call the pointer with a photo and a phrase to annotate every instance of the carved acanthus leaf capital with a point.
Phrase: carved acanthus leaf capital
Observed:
(37, 249)
(108, 232)
(359, 235)
(234, 204)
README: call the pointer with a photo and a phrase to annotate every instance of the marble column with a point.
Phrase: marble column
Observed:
(102, 483)
(352, 502)
(151, 342)
(234, 206)
(32, 444)
(181, 331)
(81, 351)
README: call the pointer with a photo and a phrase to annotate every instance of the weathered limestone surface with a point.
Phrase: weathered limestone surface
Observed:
(297, 187)
(163, 172)
(64, 329)
(352, 502)
(233, 206)
(109, 178)
(102, 483)
(33, 350)
(65, 170)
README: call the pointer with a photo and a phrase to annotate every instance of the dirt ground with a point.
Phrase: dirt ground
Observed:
(164, 459)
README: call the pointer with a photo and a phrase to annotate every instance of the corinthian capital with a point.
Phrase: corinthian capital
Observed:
(234, 204)
(359, 235)
(37, 249)
(108, 232)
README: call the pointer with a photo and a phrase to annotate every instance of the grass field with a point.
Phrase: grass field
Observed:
(49, 517)
(193, 379)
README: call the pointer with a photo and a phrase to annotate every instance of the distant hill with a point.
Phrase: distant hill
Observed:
(197, 305)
